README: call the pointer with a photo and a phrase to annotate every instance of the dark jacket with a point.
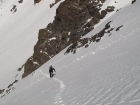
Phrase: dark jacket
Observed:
(51, 69)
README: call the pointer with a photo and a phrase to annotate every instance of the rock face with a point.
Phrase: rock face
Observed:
(119, 28)
(14, 9)
(1, 91)
(20, 1)
(133, 1)
(36, 1)
(74, 18)
(86, 41)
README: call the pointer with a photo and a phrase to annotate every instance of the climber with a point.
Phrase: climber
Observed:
(51, 71)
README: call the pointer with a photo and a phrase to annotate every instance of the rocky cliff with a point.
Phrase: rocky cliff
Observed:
(74, 19)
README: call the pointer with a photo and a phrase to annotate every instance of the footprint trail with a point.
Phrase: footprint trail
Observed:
(62, 87)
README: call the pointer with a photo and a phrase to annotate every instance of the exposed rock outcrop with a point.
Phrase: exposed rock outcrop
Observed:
(119, 28)
(74, 19)
(12, 84)
(20, 1)
(14, 9)
(133, 1)
(110, 8)
(86, 41)
(36, 1)
(1, 91)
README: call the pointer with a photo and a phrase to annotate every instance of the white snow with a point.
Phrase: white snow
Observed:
(105, 73)
(118, 4)
(53, 38)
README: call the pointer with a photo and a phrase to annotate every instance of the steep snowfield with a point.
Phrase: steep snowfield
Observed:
(118, 4)
(19, 33)
(105, 73)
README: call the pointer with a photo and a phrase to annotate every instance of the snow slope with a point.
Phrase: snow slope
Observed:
(118, 4)
(105, 73)
(19, 33)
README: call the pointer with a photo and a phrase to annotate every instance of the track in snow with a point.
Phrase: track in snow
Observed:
(58, 97)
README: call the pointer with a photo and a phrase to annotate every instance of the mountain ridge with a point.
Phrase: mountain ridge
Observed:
(68, 26)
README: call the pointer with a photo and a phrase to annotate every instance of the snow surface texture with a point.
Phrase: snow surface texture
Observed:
(118, 4)
(105, 73)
